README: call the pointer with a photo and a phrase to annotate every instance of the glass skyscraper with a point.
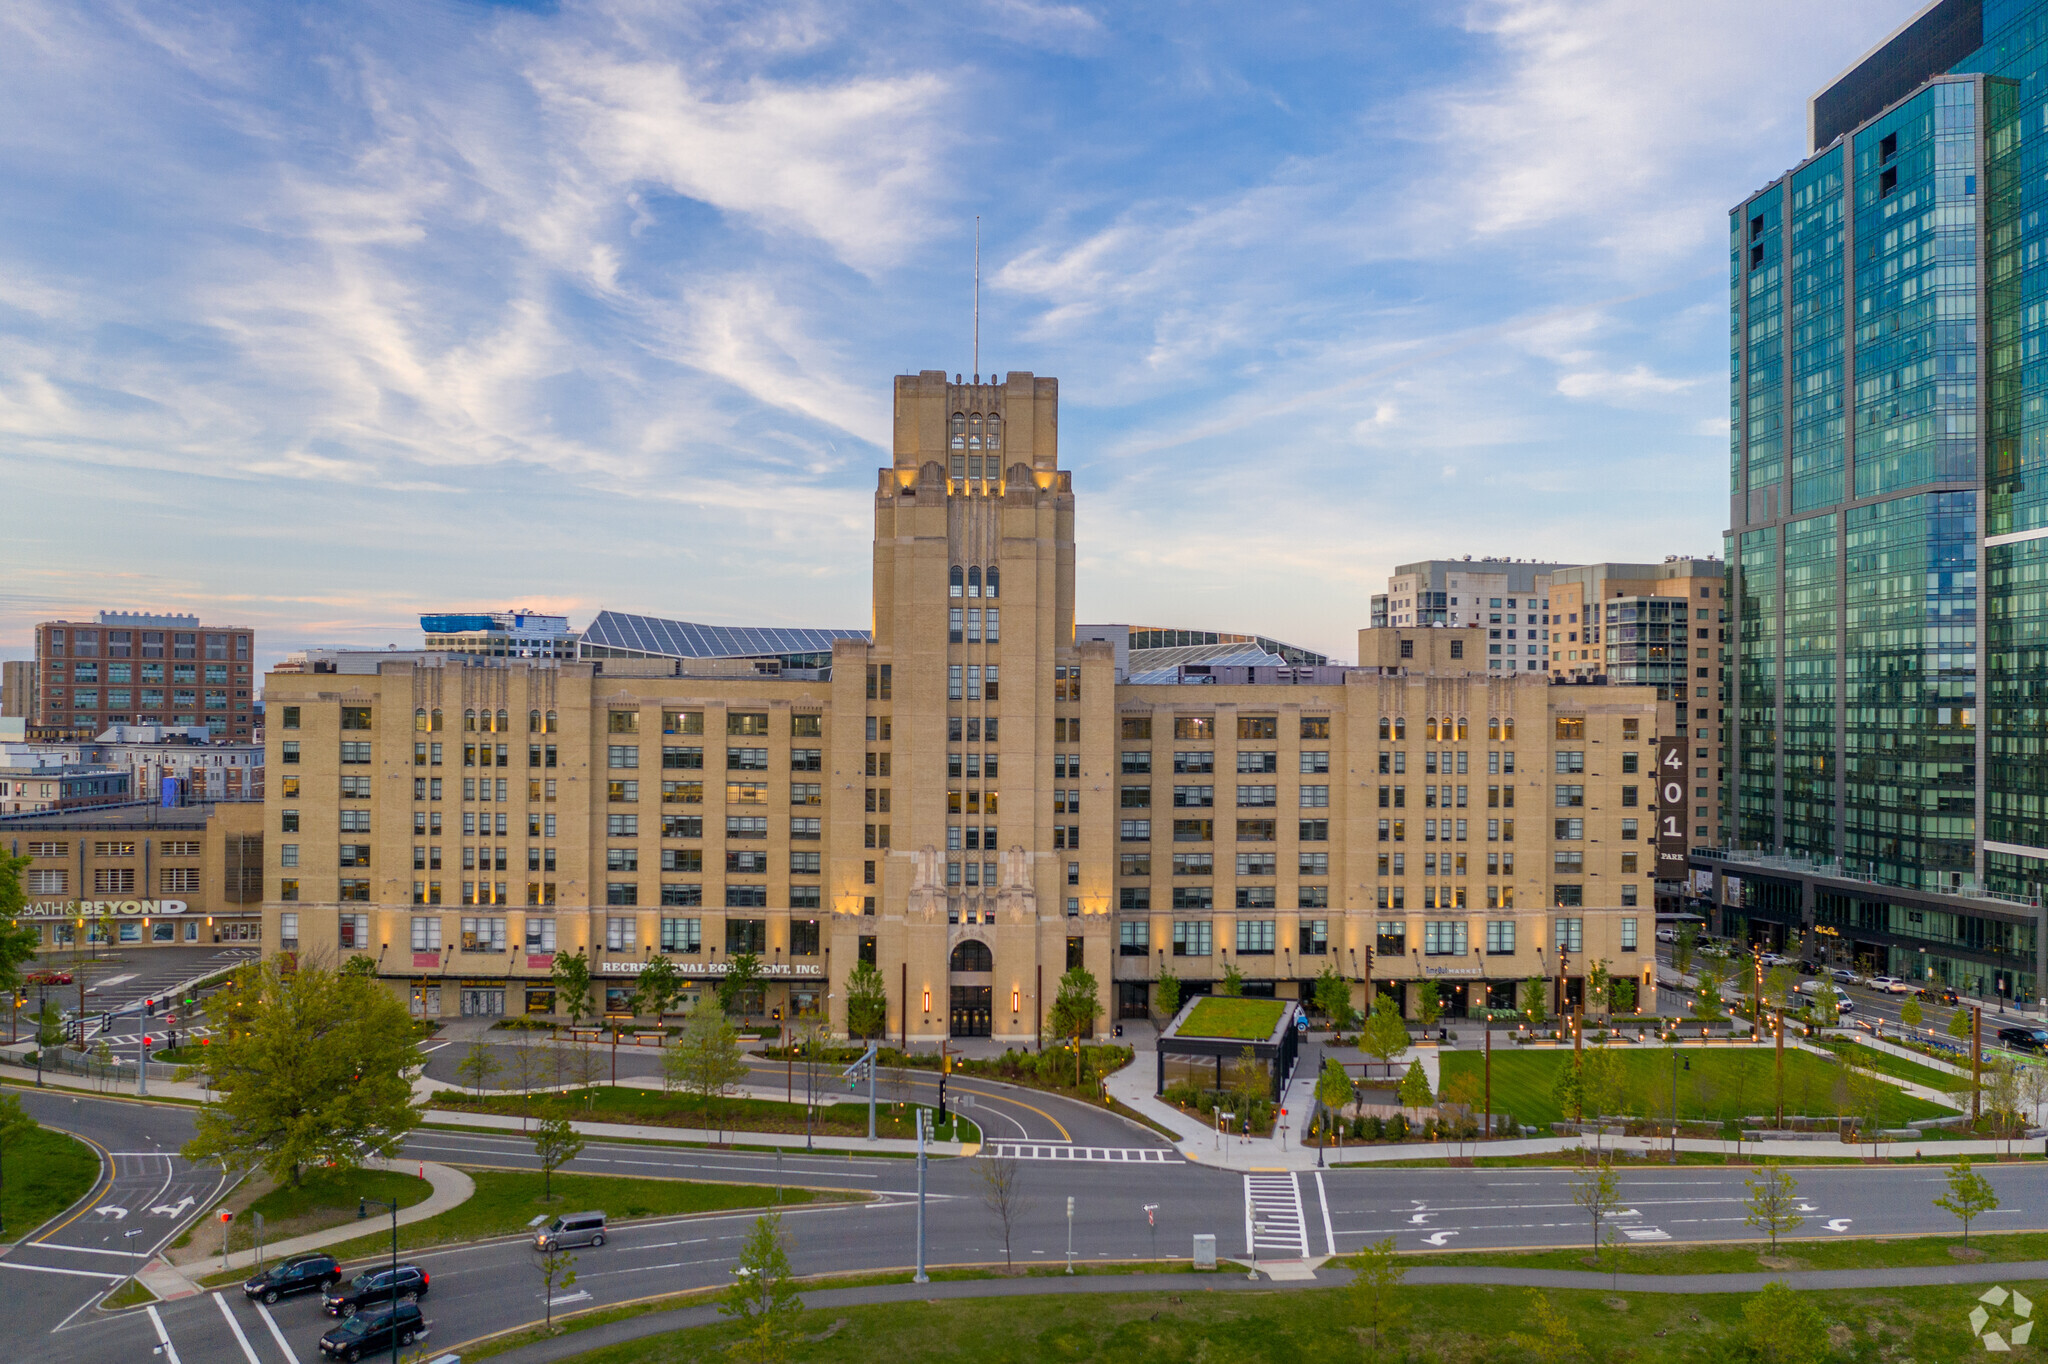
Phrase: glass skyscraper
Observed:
(1888, 542)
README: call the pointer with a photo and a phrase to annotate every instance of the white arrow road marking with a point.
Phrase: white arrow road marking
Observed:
(116, 1213)
(176, 1209)
(1839, 1223)
(580, 1295)
(1421, 1218)
(1437, 1238)
(1646, 1233)
(236, 1327)
(1804, 1206)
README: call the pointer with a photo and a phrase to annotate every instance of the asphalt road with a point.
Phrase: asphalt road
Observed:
(487, 1287)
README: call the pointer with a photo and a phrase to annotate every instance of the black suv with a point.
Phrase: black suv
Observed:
(369, 1332)
(1939, 994)
(294, 1275)
(2023, 1039)
(375, 1287)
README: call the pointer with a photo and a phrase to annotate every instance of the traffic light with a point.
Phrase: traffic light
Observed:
(149, 1007)
(1368, 963)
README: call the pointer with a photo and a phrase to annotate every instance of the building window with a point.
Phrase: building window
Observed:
(1256, 937)
(1192, 938)
(622, 893)
(1443, 938)
(1571, 932)
(620, 933)
(1628, 927)
(682, 935)
(1134, 939)
(1500, 937)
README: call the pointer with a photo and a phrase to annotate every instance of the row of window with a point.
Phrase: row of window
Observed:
(1315, 797)
(120, 643)
(1139, 898)
(1497, 897)
(110, 880)
(1204, 864)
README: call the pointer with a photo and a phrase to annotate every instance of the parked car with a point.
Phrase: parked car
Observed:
(1891, 985)
(1667, 935)
(2024, 1039)
(375, 1287)
(1939, 994)
(1845, 975)
(366, 1333)
(571, 1229)
(293, 1275)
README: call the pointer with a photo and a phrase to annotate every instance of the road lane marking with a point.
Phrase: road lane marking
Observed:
(163, 1336)
(276, 1334)
(1323, 1197)
(236, 1327)
(91, 1250)
(52, 1269)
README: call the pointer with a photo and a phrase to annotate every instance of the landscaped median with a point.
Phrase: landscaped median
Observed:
(44, 1171)
(506, 1202)
(653, 1108)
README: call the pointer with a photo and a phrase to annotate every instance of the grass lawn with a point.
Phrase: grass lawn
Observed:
(1898, 1067)
(507, 1200)
(1802, 1255)
(1219, 1016)
(323, 1199)
(1722, 1085)
(130, 1294)
(1463, 1323)
(46, 1172)
(628, 1104)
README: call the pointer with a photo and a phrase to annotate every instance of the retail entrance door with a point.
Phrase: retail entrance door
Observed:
(973, 1014)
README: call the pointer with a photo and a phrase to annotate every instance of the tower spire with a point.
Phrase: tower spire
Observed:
(977, 298)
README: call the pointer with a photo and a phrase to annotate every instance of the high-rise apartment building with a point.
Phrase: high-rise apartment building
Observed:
(1888, 533)
(131, 668)
(968, 798)
(18, 688)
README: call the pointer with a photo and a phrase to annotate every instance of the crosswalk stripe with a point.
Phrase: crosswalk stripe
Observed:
(1273, 1202)
(1105, 1154)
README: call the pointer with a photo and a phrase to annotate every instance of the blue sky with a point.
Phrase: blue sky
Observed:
(313, 317)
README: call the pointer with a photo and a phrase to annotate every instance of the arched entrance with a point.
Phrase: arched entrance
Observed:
(972, 967)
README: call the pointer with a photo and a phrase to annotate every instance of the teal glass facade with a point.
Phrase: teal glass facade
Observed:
(1887, 668)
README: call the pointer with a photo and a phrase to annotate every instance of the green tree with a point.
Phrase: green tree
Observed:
(571, 977)
(1706, 1004)
(742, 978)
(1553, 1341)
(1429, 1005)
(1334, 1091)
(1603, 1083)
(1568, 1091)
(1598, 979)
(1386, 1034)
(1621, 995)
(1784, 1327)
(1535, 999)
(360, 965)
(1683, 948)
(1075, 1006)
(1826, 1004)
(479, 1066)
(1232, 984)
(1959, 1025)
(706, 1061)
(1375, 1292)
(557, 1270)
(1778, 983)
(1250, 1086)
(49, 1026)
(555, 1143)
(18, 941)
(761, 1297)
(1910, 1013)
(308, 1067)
(867, 1002)
(1166, 994)
(1333, 998)
(1771, 1204)
(1415, 1091)
(657, 987)
(1969, 1196)
(1598, 1193)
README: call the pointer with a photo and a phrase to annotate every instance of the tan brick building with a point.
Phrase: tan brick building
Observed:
(971, 799)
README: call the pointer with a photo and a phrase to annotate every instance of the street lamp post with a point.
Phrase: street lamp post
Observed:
(923, 1119)
(362, 1211)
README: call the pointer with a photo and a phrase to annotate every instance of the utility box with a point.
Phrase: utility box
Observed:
(1205, 1251)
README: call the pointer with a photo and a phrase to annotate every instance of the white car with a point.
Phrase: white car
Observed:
(1891, 985)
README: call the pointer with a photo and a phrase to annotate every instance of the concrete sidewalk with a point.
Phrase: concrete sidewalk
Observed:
(784, 1141)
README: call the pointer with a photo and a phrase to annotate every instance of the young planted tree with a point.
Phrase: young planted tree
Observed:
(1002, 1193)
(867, 1003)
(1683, 949)
(1706, 1004)
(1598, 979)
(742, 978)
(1621, 995)
(1386, 1034)
(555, 1143)
(1868, 1093)
(1333, 999)
(706, 1062)
(1074, 1010)
(308, 1067)
(1553, 1341)
(1910, 1013)
(657, 987)
(1603, 1085)
(1460, 1099)
(1232, 984)
(1415, 1091)
(761, 1297)
(557, 1270)
(1969, 1196)
(1166, 995)
(1375, 1292)
(1772, 1203)
(1597, 1193)
(478, 1066)
(1335, 1093)
(530, 1068)
(1959, 1024)
(571, 977)
(1826, 1006)
(1249, 1084)
(18, 941)
(1429, 1005)
(1535, 1000)
(1778, 983)
(1568, 1090)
